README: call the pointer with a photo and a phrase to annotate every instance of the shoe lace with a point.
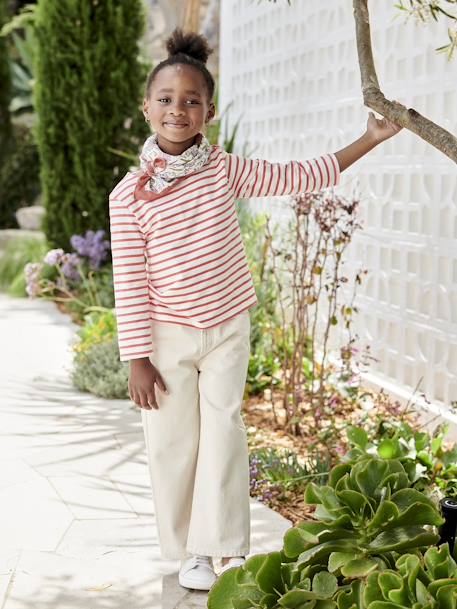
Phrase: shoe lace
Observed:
(201, 560)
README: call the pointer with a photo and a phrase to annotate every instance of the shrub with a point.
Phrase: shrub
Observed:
(98, 370)
(99, 326)
(431, 464)
(89, 85)
(5, 88)
(19, 176)
(77, 278)
(366, 517)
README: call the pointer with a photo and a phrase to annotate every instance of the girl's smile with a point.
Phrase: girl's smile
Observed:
(178, 107)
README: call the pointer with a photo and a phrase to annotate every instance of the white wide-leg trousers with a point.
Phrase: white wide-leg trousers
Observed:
(196, 440)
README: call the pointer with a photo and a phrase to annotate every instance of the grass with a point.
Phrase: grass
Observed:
(18, 252)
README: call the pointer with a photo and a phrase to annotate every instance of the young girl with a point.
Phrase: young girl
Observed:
(183, 293)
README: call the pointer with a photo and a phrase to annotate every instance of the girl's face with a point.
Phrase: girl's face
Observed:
(178, 107)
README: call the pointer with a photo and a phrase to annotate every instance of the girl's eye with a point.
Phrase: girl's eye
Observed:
(194, 101)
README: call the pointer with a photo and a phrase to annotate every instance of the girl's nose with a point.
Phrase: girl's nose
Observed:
(177, 109)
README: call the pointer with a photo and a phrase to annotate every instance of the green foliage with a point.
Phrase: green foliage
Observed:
(5, 89)
(19, 176)
(263, 362)
(23, 51)
(98, 370)
(98, 327)
(366, 516)
(16, 255)
(281, 468)
(89, 86)
(421, 453)
(417, 582)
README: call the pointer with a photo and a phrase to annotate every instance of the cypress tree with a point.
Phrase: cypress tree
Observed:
(89, 86)
(5, 89)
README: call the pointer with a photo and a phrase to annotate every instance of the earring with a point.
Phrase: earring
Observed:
(146, 118)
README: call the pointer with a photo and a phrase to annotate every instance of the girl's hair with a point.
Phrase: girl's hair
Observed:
(186, 48)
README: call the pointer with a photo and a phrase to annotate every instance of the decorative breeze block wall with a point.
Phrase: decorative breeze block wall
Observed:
(293, 76)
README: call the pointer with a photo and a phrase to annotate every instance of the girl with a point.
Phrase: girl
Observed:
(183, 293)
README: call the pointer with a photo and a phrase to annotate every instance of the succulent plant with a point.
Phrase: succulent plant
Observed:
(423, 455)
(367, 515)
(367, 512)
(419, 582)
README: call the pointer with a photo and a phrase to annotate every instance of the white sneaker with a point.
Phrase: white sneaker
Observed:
(196, 572)
(235, 561)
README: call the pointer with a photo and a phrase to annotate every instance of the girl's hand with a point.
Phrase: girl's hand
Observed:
(143, 376)
(381, 129)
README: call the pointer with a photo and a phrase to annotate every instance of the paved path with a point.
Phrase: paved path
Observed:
(77, 525)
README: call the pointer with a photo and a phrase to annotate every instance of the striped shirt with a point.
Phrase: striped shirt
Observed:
(179, 258)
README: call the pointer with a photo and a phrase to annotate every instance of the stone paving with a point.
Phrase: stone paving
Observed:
(77, 526)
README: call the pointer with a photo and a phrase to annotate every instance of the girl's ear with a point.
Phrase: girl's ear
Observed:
(145, 107)
(211, 112)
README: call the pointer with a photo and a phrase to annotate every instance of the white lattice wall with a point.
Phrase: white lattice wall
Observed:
(292, 73)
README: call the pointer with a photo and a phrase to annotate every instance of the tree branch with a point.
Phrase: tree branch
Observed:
(394, 111)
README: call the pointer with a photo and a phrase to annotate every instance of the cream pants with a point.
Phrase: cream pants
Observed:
(196, 440)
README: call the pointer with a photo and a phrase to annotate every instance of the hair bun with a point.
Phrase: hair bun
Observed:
(190, 43)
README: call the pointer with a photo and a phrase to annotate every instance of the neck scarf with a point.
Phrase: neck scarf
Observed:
(160, 169)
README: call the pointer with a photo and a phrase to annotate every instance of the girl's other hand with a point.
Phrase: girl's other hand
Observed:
(143, 376)
(380, 129)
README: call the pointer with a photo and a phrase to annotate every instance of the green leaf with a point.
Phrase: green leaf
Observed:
(325, 603)
(325, 584)
(297, 540)
(359, 567)
(369, 475)
(223, 590)
(320, 552)
(357, 436)
(436, 444)
(254, 563)
(389, 449)
(268, 601)
(446, 596)
(338, 559)
(372, 591)
(403, 538)
(312, 494)
(355, 500)
(406, 497)
(352, 598)
(386, 512)
(418, 513)
(269, 575)
(295, 599)
(421, 439)
(386, 605)
(422, 595)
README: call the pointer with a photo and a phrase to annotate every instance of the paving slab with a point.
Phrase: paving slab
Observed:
(77, 524)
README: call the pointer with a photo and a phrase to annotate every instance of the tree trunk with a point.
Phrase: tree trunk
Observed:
(191, 20)
(393, 110)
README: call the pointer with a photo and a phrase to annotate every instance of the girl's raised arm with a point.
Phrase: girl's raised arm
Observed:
(261, 178)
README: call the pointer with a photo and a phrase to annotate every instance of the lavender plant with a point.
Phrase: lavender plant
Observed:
(74, 278)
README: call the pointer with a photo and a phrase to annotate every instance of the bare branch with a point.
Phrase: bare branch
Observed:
(191, 17)
(394, 111)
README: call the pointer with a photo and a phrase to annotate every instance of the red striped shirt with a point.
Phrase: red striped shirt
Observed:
(179, 258)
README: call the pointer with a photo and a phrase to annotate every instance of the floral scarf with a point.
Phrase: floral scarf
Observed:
(160, 170)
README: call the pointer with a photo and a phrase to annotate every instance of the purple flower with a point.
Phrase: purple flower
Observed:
(53, 257)
(92, 246)
(32, 271)
(69, 263)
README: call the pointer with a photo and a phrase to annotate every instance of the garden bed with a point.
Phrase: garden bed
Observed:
(264, 432)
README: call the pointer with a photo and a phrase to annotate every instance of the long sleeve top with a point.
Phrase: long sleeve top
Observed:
(179, 258)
